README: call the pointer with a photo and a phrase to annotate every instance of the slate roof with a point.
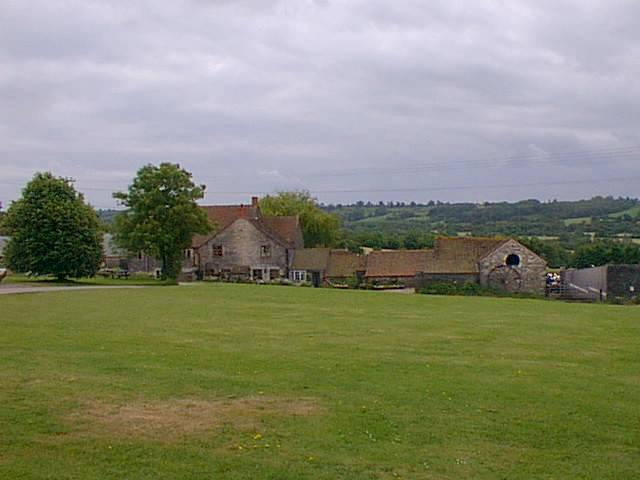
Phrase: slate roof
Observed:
(311, 259)
(396, 263)
(345, 264)
(460, 254)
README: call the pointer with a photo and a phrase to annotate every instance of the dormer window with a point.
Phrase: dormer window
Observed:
(265, 251)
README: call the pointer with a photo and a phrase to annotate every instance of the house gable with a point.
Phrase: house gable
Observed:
(243, 244)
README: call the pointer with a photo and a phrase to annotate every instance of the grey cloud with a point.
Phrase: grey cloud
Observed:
(260, 95)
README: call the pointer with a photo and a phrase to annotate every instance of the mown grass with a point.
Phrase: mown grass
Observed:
(46, 280)
(243, 381)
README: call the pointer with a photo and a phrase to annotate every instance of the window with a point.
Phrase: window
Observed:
(265, 251)
(188, 253)
(216, 251)
(140, 255)
(274, 274)
(257, 274)
(512, 260)
(298, 275)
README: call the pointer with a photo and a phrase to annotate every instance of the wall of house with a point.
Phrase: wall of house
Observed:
(241, 243)
(531, 269)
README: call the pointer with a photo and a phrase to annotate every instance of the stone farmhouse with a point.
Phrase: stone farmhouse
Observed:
(245, 245)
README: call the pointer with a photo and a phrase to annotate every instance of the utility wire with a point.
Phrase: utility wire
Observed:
(596, 157)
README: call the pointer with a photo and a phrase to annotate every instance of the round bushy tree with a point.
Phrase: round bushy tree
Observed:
(53, 231)
(162, 215)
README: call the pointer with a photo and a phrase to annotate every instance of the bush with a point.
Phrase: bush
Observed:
(468, 288)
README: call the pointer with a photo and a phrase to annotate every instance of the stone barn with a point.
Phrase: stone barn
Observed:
(499, 263)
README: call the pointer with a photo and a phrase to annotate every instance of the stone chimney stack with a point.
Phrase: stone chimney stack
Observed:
(254, 201)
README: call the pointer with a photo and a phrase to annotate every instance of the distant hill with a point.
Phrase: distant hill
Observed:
(601, 216)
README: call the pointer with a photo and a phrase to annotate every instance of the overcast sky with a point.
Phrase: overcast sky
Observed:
(352, 99)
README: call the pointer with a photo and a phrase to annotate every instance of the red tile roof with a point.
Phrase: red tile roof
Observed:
(221, 216)
(286, 230)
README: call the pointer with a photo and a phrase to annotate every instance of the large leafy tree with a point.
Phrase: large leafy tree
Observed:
(162, 215)
(53, 231)
(318, 227)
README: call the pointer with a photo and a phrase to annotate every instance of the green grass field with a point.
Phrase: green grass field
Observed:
(257, 382)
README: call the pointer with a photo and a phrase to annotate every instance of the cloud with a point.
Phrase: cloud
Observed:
(230, 89)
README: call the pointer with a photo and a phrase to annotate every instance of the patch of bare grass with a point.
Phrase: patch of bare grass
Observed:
(171, 420)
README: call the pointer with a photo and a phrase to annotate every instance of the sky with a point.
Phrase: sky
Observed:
(408, 100)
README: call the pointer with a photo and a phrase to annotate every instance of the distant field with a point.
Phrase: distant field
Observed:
(633, 212)
(259, 382)
(577, 221)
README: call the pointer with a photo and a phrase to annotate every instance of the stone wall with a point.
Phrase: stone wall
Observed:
(241, 247)
(528, 276)
(425, 279)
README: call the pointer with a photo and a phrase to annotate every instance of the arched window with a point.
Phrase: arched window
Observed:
(512, 260)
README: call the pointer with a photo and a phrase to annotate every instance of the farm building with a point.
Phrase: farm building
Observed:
(499, 263)
(396, 267)
(346, 267)
(320, 266)
(246, 244)
(602, 283)
(310, 265)
(116, 258)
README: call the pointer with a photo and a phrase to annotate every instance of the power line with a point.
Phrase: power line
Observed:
(455, 187)
(596, 155)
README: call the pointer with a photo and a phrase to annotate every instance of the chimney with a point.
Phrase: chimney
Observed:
(254, 201)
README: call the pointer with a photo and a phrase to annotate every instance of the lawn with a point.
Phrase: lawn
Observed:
(257, 382)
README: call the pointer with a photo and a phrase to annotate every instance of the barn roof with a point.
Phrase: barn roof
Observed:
(396, 263)
(344, 264)
(311, 259)
(460, 254)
